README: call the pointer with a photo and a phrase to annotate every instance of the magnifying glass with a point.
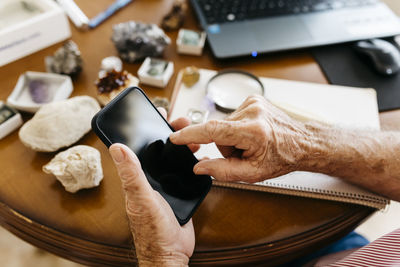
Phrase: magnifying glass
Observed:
(229, 88)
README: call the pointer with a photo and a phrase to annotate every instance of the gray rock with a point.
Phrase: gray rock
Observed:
(66, 60)
(135, 40)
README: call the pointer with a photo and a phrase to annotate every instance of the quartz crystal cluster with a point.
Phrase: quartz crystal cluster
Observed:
(66, 60)
(135, 40)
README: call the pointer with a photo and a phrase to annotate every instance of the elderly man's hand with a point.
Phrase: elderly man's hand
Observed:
(159, 239)
(258, 142)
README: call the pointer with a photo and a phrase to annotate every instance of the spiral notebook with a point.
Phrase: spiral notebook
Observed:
(335, 105)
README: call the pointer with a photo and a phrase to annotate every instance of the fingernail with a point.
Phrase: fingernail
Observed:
(199, 170)
(117, 154)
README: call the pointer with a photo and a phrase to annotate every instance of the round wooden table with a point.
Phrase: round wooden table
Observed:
(233, 227)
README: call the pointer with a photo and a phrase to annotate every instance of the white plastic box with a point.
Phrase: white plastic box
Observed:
(10, 120)
(161, 77)
(60, 88)
(185, 47)
(27, 26)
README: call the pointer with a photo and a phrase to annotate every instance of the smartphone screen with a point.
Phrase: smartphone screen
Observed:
(131, 119)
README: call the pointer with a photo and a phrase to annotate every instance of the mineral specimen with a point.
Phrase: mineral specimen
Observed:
(59, 124)
(113, 83)
(157, 67)
(66, 60)
(161, 102)
(175, 18)
(191, 37)
(76, 168)
(136, 41)
(190, 76)
(40, 91)
(108, 64)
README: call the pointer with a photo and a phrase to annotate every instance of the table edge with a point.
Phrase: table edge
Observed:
(93, 253)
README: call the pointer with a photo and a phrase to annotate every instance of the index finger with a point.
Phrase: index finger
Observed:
(225, 133)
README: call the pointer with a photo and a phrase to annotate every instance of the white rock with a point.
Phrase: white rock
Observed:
(59, 124)
(76, 168)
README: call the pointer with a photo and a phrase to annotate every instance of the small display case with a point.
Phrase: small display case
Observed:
(10, 120)
(156, 72)
(27, 26)
(35, 89)
(190, 42)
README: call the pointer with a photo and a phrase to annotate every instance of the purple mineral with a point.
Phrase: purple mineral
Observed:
(40, 91)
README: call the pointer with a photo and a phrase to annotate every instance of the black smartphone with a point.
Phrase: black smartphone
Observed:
(132, 119)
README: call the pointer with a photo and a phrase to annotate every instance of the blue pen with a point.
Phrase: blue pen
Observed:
(117, 5)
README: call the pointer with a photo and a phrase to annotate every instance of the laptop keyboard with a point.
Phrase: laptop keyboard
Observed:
(222, 11)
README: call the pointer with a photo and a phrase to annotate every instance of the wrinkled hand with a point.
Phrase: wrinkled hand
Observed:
(258, 142)
(159, 239)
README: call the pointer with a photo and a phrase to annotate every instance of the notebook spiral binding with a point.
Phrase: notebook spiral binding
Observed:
(270, 187)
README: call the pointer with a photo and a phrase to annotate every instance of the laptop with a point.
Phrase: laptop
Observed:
(251, 27)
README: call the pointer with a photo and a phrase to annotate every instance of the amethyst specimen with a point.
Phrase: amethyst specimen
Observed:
(40, 91)
(136, 41)
(66, 60)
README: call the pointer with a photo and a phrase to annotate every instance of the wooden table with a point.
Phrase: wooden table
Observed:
(90, 227)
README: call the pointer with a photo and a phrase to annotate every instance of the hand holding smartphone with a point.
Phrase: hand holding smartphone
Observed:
(131, 119)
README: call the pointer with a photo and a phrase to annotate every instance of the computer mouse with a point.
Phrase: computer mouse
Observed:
(385, 56)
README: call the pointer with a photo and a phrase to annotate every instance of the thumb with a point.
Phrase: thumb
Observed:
(230, 169)
(134, 182)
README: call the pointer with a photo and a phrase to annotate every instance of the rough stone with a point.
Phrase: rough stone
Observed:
(59, 124)
(109, 64)
(176, 17)
(76, 168)
(66, 60)
(190, 76)
(135, 40)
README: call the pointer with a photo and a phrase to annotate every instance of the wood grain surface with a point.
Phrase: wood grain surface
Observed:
(90, 227)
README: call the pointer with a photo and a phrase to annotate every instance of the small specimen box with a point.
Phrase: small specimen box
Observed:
(156, 72)
(10, 120)
(35, 89)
